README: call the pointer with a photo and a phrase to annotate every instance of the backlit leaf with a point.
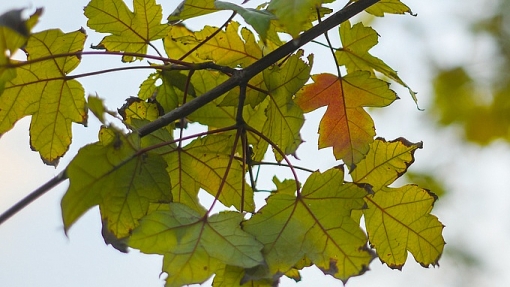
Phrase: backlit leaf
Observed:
(346, 126)
(294, 14)
(316, 224)
(357, 40)
(258, 19)
(203, 164)
(194, 246)
(385, 162)
(388, 6)
(285, 118)
(225, 48)
(398, 220)
(96, 106)
(14, 33)
(232, 276)
(110, 173)
(44, 90)
(192, 8)
(130, 31)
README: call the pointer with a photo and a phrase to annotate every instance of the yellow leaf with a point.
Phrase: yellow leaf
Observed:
(385, 162)
(357, 40)
(130, 31)
(225, 48)
(315, 224)
(388, 6)
(398, 221)
(44, 90)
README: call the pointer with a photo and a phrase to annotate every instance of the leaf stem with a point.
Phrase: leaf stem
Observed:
(238, 78)
(209, 37)
(273, 145)
(245, 74)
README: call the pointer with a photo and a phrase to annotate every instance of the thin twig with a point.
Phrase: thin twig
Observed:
(238, 77)
(244, 75)
(33, 196)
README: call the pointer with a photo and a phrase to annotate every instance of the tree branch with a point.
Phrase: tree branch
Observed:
(246, 74)
(238, 77)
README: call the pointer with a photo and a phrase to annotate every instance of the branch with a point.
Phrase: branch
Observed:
(244, 75)
(33, 196)
(238, 77)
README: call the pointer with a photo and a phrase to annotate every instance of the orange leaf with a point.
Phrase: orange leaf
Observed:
(345, 126)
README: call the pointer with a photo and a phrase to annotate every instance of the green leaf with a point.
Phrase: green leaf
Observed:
(44, 90)
(190, 9)
(385, 162)
(194, 246)
(203, 164)
(233, 276)
(110, 173)
(388, 6)
(96, 106)
(398, 220)
(130, 31)
(285, 118)
(294, 14)
(357, 40)
(315, 224)
(148, 87)
(225, 48)
(258, 19)
(14, 33)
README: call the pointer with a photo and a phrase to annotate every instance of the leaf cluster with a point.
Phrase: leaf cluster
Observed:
(252, 91)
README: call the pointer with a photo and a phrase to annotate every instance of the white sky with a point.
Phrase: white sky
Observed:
(35, 252)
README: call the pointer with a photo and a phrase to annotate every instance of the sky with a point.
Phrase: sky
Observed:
(34, 251)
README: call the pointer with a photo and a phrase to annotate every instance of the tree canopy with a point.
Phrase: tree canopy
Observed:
(249, 82)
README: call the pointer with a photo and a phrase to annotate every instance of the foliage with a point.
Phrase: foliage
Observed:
(251, 90)
(479, 106)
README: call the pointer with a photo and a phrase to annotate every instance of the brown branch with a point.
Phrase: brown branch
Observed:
(238, 77)
(244, 75)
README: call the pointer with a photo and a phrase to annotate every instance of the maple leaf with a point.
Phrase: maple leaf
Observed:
(294, 14)
(284, 117)
(110, 173)
(316, 224)
(14, 33)
(357, 40)
(259, 19)
(194, 246)
(388, 6)
(130, 31)
(233, 276)
(190, 9)
(398, 220)
(225, 48)
(345, 126)
(203, 164)
(44, 90)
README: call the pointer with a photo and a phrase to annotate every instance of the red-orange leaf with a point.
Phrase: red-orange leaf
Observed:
(345, 126)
